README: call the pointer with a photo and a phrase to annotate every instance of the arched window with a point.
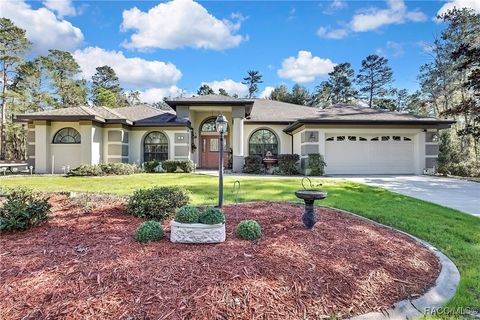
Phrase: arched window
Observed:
(155, 147)
(67, 136)
(209, 125)
(261, 141)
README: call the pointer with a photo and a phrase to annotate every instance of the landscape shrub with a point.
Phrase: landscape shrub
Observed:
(249, 230)
(104, 169)
(253, 164)
(461, 169)
(86, 170)
(150, 166)
(172, 165)
(287, 164)
(187, 214)
(149, 231)
(316, 164)
(22, 210)
(212, 215)
(157, 203)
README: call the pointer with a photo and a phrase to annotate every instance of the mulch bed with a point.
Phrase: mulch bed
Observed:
(87, 266)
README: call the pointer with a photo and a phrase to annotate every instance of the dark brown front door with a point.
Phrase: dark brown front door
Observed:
(211, 152)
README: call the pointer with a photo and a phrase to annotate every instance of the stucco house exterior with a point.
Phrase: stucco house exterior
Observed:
(353, 140)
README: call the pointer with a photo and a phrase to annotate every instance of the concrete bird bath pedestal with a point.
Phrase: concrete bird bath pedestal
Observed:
(309, 196)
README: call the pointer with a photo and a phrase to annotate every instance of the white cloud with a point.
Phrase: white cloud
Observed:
(132, 72)
(63, 8)
(396, 48)
(374, 18)
(334, 6)
(305, 67)
(153, 95)
(180, 23)
(265, 94)
(232, 87)
(449, 5)
(329, 33)
(44, 29)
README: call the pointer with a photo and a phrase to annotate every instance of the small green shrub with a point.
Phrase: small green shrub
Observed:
(316, 164)
(187, 214)
(249, 230)
(253, 164)
(149, 231)
(150, 166)
(157, 203)
(212, 215)
(22, 210)
(172, 165)
(104, 169)
(287, 164)
(86, 170)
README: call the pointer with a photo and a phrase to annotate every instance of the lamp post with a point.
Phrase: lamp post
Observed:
(221, 126)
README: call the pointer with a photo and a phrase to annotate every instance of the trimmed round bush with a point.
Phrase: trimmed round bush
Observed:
(187, 214)
(249, 230)
(149, 231)
(157, 203)
(212, 215)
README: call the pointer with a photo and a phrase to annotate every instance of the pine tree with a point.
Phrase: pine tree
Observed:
(252, 80)
(374, 78)
(13, 45)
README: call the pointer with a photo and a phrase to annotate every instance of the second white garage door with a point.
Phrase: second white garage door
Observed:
(368, 154)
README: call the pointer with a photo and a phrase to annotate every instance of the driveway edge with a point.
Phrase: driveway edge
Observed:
(444, 289)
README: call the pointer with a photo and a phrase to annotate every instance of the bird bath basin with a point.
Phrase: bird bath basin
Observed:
(309, 196)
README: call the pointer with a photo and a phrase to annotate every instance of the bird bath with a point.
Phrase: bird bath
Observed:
(309, 196)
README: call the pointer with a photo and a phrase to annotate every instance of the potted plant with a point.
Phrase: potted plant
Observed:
(192, 226)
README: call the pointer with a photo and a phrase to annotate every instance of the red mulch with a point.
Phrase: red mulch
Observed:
(87, 266)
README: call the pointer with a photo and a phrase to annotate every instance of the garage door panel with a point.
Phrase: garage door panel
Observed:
(369, 157)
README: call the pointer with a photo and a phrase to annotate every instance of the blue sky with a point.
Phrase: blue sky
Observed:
(165, 48)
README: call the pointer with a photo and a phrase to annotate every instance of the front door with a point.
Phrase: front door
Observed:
(211, 152)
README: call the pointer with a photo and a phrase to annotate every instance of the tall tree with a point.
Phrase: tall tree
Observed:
(64, 72)
(300, 95)
(31, 86)
(223, 92)
(133, 98)
(252, 80)
(106, 90)
(280, 93)
(13, 45)
(374, 77)
(204, 90)
(322, 96)
(341, 82)
(448, 83)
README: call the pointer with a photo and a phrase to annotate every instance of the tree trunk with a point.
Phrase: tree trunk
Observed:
(3, 116)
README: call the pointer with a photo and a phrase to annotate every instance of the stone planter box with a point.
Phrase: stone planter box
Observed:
(196, 232)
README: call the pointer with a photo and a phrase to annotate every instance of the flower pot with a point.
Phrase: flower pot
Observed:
(196, 232)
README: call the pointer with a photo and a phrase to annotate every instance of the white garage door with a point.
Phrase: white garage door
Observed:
(367, 154)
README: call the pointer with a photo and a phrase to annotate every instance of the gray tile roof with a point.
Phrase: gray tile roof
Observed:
(348, 112)
(265, 110)
(139, 114)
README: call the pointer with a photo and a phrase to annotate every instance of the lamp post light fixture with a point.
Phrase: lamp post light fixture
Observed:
(221, 126)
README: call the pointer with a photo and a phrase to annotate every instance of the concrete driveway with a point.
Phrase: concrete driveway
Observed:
(457, 194)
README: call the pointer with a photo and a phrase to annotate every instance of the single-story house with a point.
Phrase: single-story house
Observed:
(353, 140)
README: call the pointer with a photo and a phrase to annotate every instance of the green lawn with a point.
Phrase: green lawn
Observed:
(453, 232)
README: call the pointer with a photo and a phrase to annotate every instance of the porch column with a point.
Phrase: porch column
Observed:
(237, 133)
(42, 147)
(86, 141)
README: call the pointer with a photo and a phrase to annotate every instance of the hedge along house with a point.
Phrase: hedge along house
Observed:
(353, 140)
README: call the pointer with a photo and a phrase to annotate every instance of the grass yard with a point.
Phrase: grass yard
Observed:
(453, 232)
